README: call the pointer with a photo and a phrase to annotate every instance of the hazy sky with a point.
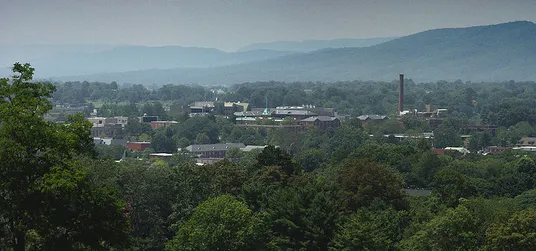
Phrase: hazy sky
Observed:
(230, 24)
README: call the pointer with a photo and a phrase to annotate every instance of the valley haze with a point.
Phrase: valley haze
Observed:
(498, 52)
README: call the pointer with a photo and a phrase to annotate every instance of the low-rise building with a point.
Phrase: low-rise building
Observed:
(371, 118)
(213, 150)
(157, 124)
(526, 141)
(250, 148)
(148, 119)
(494, 150)
(232, 107)
(295, 112)
(109, 141)
(160, 155)
(107, 130)
(322, 122)
(202, 107)
(138, 146)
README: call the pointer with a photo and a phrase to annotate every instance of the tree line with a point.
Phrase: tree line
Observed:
(334, 189)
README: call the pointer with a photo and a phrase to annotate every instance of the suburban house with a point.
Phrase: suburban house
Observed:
(322, 122)
(213, 150)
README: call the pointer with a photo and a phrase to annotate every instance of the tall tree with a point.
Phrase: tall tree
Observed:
(43, 190)
(221, 223)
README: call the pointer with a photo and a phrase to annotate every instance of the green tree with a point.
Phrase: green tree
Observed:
(456, 230)
(451, 185)
(274, 156)
(234, 153)
(135, 128)
(303, 216)
(478, 141)
(346, 139)
(221, 223)
(425, 168)
(312, 159)
(193, 126)
(163, 142)
(446, 137)
(110, 151)
(373, 228)
(518, 233)
(363, 181)
(183, 142)
(46, 198)
(149, 191)
(201, 138)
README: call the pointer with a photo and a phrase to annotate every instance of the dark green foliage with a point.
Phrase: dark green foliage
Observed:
(192, 127)
(456, 230)
(47, 200)
(221, 223)
(518, 233)
(110, 151)
(304, 217)
(162, 141)
(377, 227)
(135, 128)
(274, 156)
(312, 159)
(338, 189)
(363, 181)
(478, 141)
(451, 185)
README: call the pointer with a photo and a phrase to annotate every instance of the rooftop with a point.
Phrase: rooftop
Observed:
(202, 104)
(321, 118)
(252, 147)
(248, 114)
(293, 112)
(373, 117)
(214, 147)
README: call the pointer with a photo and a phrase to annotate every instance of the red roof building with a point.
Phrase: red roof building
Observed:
(138, 146)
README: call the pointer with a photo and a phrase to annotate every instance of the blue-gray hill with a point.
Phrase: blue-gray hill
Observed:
(313, 45)
(483, 53)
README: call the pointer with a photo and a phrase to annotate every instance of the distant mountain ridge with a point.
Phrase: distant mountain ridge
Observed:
(73, 60)
(313, 45)
(481, 53)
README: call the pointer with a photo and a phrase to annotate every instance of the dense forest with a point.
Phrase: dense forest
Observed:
(348, 188)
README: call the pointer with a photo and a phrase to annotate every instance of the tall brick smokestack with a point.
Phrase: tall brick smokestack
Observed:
(401, 94)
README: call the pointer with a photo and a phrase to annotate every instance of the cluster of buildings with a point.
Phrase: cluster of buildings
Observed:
(110, 130)
(204, 108)
(202, 153)
(297, 117)
(527, 144)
